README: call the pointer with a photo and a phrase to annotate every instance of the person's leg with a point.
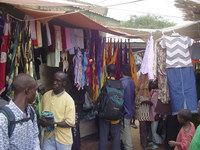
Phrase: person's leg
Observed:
(103, 134)
(115, 136)
(49, 144)
(143, 134)
(126, 135)
(155, 137)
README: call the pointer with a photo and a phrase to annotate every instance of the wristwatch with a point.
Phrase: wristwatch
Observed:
(55, 124)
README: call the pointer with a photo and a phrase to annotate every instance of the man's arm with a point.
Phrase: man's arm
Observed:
(4, 139)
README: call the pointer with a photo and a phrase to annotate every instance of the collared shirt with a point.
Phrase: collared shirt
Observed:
(129, 99)
(24, 136)
(63, 109)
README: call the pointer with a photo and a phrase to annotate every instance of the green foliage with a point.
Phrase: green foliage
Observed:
(148, 22)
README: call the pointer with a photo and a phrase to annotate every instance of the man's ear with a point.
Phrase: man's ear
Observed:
(26, 91)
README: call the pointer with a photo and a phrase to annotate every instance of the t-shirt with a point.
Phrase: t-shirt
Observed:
(178, 54)
(63, 109)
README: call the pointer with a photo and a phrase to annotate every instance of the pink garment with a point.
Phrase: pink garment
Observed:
(68, 39)
(32, 27)
(148, 60)
(185, 138)
(154, 100)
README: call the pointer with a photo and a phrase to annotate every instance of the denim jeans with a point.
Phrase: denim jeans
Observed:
(126, 135)
(104, 128)
(52, 144)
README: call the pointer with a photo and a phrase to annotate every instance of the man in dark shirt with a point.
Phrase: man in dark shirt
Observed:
(129, 107)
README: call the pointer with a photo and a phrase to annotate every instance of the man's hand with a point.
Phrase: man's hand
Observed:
(44, 122)
(172, 143)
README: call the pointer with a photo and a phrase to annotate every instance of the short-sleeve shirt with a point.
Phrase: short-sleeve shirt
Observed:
(178, 54)
(63, 108)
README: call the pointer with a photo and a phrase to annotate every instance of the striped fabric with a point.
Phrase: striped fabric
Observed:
(178, 54)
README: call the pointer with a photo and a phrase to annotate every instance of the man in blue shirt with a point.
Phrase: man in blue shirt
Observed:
(129, 107)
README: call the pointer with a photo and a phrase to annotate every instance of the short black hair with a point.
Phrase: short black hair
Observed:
(126, 69)
(185, 114)
(111, 69)
(23, 81)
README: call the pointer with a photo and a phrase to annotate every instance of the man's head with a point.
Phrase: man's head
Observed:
(184, 116)
(126, 70)
(59, 82)
(24, 85)
(111, 70)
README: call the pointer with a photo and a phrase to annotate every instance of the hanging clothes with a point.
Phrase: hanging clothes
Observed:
(63, 36)
(163, 90)
(68, 38)
(147, 62)
(132, 66)
(178, 54)
(64, 57)
(2, 22)
(180, 73)
(78, 69)
(14, 45)
(79, 37)
(48, 34)
(53, 58)
(3, 54)
(39, 34)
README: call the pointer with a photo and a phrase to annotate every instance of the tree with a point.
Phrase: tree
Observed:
(148, 22)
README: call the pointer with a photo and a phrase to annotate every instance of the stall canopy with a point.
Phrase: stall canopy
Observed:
(189, 29)
(73, 18)
(41, 2)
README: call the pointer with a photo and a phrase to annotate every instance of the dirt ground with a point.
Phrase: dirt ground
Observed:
(91, 143)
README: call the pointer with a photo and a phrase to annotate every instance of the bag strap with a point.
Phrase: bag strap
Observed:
(10, 117)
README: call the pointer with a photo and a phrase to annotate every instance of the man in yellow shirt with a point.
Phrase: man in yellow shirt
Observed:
(60, 103)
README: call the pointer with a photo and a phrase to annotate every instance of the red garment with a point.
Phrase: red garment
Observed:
(3, 55)
(185, 138)
(63, 36)
(35, 42)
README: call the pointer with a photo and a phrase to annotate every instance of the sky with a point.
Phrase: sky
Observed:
(163, 8)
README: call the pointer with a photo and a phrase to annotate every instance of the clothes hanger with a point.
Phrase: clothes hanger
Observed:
(175, 34)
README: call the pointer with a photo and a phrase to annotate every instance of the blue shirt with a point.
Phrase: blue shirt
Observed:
(129, 97)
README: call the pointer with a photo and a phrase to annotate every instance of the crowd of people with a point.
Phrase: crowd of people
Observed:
(47, 123)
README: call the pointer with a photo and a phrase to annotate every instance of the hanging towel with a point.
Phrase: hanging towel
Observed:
(68, 39)
(48, 34)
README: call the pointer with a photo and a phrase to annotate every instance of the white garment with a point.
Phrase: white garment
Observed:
(147, 62)
(48, 34)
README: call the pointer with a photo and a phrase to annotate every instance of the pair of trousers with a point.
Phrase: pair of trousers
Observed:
(52, 144)
(126, 135)
(156, 138)
(105, 127)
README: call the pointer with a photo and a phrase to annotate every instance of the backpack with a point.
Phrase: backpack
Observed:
(110, 101)
(11, 118)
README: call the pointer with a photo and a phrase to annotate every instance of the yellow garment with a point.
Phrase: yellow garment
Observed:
(133, 66)
(63, 109)
(114, 57)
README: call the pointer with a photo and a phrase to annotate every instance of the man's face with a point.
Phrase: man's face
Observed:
(31, 94)
(58, 83)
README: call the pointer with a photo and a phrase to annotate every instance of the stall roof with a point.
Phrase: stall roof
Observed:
(72, 18)
(41, 2)
(190, 29)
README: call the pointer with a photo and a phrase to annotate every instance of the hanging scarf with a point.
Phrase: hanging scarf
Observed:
(3, 55)
(14, 46)
(132, 65)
